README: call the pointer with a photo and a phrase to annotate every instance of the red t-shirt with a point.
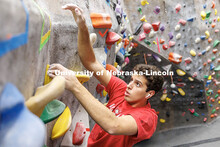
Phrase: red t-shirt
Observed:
(145, 117)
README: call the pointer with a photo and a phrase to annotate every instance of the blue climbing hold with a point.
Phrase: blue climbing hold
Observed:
(202, 37)
(200, 68)
(106, 50)
(204, 6)
(124, 35)
(185, 45)
(122, 50)
(212, 66)
(203, 52)
(18, 126)
(190, 19)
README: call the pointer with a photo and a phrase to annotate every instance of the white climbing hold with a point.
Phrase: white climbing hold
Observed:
(208, 48)
(177, 27)
(178, 36)
(197, 40)
(152, 34)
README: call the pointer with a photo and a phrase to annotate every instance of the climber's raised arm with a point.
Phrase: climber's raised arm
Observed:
(85, 49)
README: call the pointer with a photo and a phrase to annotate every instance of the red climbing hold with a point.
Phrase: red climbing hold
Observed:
(112, 37)
(147, 28)
(156, 26)
(99, 89)
(165, 46)
(162, 41)
(178, 7)
(79, 134)
(182, 22)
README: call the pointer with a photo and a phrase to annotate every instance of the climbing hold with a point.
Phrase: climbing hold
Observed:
(196, 114)
(216, 11)
(142, 36)
(147, 28)
(144, 2)
(181, 91)
(182, 22)
(175, 58)
(79, 134)
(127, 60)
(216, 42)
(112, 38)
(208, 48)
(178, 36)
(217, 68)
(190, 19)
(154, 42)
(177, 27)
(202, 37)
(209, 61)
(209, 77)
(203, 15)
(168, 99)
(138, 28)
(152, 34)
(208, 14)
(173, 86)
(62, 124)
(181, 84)
(180, 72)
(147, 42)
(156, 58)
(101, 20)
(178, 7)
(52, 111)
(162, 28)
(217, 30)
(99, 89)
(163, 97)
(143, 18)
(156, 26)
(188, 60)
(193, 53)
(204, 6)
(165, 46)
(171, 43)
(213, 25)
(213, 5)
(212, 66)
(197, 40)
(210, 40)
(162, 41)
(170, 34)
(194, 74)
(140, 10)
(207, 34)
(215, 51)
(162, 120)
(190, 79)
(157, 10)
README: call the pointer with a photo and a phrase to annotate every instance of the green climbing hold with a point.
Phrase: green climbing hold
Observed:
(140, 10)
(216, 96)
(196, 114)
(52, 111)
(209, 92)
(216, 43)
(147, 42)
(206, 76)
(127, 54)
(210, 21)
(208, 14)
(213, 58)
(217, 68)
(213, 111)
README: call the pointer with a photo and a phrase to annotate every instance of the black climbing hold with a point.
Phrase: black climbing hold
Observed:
(138, 28)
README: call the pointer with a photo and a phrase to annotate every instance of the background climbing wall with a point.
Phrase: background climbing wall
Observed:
(193, 37)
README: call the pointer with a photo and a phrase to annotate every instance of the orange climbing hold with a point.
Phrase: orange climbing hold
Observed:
(210, 40)
(101, 20)
(213, 5)
(213, 25)
(162, 41)
(111, 68)
(175, 58)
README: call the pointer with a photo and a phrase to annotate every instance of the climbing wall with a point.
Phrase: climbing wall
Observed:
(191, 30)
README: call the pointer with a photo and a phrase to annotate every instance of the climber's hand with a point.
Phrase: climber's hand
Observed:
(70, 78)
(77, 14)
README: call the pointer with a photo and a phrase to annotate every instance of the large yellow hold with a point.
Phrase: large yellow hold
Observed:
(181, 91)
(144, 2)
(62, 124)
(203, 15)
(180, 72)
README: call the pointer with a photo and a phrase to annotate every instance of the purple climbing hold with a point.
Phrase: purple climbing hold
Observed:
(157, 10)
(156, 58)
(162, 28)
(170, 35)
(118, 9)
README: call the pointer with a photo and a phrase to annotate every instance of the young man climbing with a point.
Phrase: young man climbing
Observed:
(128, 117)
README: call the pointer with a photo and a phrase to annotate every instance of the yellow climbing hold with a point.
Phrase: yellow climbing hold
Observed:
(163, 97)
(190, 79)
(83, 78)
(168, 99)
(181, 91)
(144, 2)
(131, 37)
(154, 42)
(218, 19)
(210, 77)
(216, 11)
(136, 54)
(143, 18)
(193, 53)
(47, 79)
(219, 102)
(162, 120)
(207, 34)
(180, 72)
(203, 15)
(115, 64)
(104, 93)
(62, 124)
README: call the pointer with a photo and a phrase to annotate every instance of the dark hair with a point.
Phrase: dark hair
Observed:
(154, 82)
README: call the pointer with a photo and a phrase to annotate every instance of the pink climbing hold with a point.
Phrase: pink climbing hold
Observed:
(156, 26)
(79, 134)
(142, 36)
(182, 22)
(192, 110)
(112, 37)
(194, 74)
(147, 28)
(188, 60)
(178, 7)
(171, 43)
(126, 60)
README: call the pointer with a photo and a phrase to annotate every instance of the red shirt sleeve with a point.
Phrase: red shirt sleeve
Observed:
(146, 122)
(116, 88)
